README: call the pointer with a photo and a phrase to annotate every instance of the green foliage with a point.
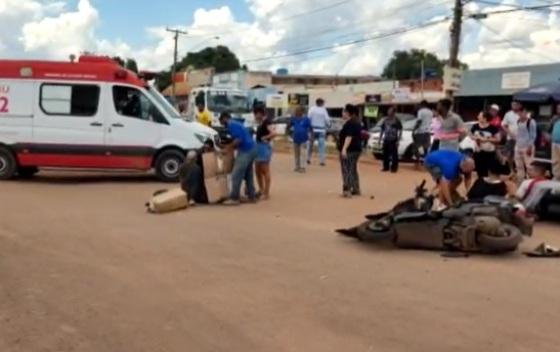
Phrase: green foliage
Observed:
(131, 65)
(408, 64)
(220, 58)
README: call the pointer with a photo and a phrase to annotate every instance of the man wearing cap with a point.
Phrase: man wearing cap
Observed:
(496, 120)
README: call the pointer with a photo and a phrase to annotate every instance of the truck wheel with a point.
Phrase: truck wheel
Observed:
(168, 164)
(8, 164)
(27, 172)
(507, 239)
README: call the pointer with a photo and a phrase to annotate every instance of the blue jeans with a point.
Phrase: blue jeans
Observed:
(320, 137)
(243, 171)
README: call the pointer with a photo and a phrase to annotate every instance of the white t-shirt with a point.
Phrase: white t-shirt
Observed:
(425, 117)
(319, 117)
(532, 198)
(510, 122)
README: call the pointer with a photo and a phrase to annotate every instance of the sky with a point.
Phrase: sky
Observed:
(265, 33)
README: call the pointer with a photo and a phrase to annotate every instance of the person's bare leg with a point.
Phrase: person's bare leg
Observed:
(267, 180)
(260, 178)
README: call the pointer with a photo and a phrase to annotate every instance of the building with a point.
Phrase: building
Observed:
(297, 81)
(243, 80)
(482, 88)
(185, 81)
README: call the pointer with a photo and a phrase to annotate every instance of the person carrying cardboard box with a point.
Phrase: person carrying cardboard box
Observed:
(243, 164)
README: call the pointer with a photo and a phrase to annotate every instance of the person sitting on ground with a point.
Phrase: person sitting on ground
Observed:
(192, 179)
(491, 185)
(448, 169)
(532, 191)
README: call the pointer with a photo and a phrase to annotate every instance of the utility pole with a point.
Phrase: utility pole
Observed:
(455, 34)
(176, 33)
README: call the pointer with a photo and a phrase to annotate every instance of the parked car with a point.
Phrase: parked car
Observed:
(406, 145)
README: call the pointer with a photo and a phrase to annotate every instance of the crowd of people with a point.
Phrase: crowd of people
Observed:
(502, 159)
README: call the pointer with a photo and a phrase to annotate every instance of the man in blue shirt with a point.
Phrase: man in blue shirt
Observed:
(246, 155)
(447, 168)
(555, 139)
(300, 126)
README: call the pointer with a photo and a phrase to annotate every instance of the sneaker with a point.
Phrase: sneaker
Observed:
(346, 194)
(231, 202)
(384, 170)
(357, 193)
(394, 171)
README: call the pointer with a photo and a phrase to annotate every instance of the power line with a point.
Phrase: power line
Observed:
(516, 45)
(313, 11)
(482, 15)
(319, 34)
(397, 31)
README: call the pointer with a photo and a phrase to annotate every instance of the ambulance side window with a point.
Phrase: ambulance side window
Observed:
(131, 102)
(69, 99)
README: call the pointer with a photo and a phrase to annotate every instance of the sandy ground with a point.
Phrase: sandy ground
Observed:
(84, 268)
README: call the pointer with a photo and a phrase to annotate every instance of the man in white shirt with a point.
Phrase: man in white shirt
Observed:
(509, 124)
(422, 129)
(320, 122)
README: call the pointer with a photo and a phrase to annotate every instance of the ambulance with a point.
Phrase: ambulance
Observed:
(89, 114)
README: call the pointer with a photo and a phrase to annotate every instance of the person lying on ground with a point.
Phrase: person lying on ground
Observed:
(532, 191)
(449, 168)
(192, 179)
(491, 185)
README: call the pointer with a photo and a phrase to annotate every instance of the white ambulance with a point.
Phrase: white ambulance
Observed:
(89, 114)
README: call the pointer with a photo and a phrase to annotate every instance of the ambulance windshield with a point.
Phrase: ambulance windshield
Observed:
(168, 109)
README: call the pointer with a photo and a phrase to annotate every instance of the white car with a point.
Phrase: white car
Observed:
(406, 145)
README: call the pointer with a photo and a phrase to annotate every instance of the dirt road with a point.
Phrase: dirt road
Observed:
(84, 268)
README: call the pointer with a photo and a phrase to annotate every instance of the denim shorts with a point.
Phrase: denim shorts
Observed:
(264, 152)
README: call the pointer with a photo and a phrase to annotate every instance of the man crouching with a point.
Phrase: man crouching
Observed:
(448, 169)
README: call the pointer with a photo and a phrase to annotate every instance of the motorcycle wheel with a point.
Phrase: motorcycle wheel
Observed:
(368, 233)
(508, 239)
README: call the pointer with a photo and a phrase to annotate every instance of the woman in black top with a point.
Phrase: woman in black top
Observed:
(492, 185)
(486, 137)
(350, 148)
(265, 134)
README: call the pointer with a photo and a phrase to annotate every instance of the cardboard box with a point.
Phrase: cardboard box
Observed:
(210, 164)
(226, 161)
(216, 188)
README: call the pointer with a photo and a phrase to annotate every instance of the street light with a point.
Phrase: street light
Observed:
(204, 42)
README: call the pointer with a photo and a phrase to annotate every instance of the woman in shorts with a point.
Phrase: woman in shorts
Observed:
(265, 134)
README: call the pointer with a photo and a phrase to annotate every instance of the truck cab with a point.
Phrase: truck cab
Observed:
(217, 101)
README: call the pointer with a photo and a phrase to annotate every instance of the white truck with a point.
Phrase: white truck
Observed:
(219, 100)
(89, 114)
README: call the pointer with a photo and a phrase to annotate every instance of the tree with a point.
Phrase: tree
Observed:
(131, 65)
(408, 65)
(220, 58)
(118, 60)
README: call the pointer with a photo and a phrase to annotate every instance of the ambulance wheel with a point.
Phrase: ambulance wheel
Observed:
(8, 164)
(168, 165)
(27, 172)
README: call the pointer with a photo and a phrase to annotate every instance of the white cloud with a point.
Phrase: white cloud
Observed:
(61, 35)
(50, 29)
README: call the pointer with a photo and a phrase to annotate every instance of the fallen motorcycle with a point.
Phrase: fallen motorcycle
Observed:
(493, 226)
